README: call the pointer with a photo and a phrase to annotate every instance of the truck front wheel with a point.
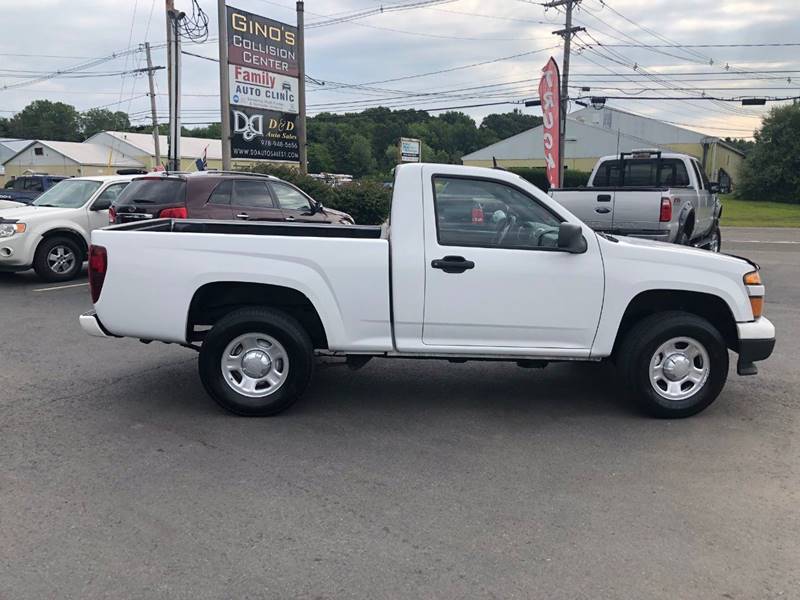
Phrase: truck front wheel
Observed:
(673, 364)
(256, 362)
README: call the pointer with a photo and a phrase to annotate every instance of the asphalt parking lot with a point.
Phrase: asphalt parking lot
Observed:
(119, 477)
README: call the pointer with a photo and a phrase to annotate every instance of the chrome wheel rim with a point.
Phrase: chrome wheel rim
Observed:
(679, 368)
(255, 365)
(61, 259)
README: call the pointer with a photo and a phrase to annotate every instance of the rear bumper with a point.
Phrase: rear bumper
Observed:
(91, 324)
(756, 342)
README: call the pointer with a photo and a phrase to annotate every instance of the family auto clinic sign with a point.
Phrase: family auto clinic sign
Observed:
(263, 87)
(551, 108)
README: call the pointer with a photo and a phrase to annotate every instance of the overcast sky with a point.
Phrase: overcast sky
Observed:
(42, 36)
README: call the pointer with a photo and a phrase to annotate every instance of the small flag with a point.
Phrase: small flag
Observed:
(202, 162)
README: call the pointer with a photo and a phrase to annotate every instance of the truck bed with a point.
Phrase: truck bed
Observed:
(155, 269)
(253, 228)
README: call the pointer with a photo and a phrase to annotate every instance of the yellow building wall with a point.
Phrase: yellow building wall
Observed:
(718, 157)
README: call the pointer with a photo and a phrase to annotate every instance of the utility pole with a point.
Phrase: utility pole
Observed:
(301, 85)
(156, 137)
(224, 85)
(173, 73)
(567, 34)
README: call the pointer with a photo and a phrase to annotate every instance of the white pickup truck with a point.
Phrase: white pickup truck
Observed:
(519, 280)
(649, 194)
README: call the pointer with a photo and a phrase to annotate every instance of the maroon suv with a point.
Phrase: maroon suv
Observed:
(221, 196)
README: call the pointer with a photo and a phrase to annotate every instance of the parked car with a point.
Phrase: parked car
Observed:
(52, 234)
(531, 285)
(649, 194)
(20, 191)
(222, 196)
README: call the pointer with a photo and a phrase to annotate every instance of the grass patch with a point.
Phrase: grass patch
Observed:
(745, 213)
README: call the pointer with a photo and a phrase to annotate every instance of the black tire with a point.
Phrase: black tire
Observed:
(682, 238)
(639, 347)
(48, 270)
(278, 325)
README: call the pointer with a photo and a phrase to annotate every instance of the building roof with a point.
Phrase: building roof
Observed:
(191, 147)
(83, 153)
(583, 141)
(592, 133)
(14, 144)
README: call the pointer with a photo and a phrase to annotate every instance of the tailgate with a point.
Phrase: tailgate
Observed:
(593, 206)
(637, 211)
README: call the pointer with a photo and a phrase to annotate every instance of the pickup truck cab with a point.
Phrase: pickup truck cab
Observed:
(522, 280)
(649, 194)
(52, 233)
(20, 191)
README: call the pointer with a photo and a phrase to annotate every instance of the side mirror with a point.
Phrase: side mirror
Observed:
(101, 205)
(713, 187)
(570, 238)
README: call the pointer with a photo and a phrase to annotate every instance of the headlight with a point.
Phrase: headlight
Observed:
(9, 229)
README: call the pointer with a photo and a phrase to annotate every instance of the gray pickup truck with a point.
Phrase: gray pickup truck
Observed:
(649, 194)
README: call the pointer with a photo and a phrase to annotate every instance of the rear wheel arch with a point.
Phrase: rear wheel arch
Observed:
(712, 308)
(687, 223)
(213, 301)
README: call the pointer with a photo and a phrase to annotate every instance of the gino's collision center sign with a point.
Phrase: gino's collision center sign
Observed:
(551, 109)
(263, 87)
(261, 43)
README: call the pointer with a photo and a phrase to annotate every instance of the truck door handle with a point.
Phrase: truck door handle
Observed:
(604, 198)
(602, 210)
(243, 216)
(452, 264)
(289, 218)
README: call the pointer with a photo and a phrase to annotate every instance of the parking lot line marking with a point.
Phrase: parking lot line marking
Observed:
(60, 287)
(764, 242)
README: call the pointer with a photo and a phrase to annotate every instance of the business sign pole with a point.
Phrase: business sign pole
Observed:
(263, 77)
(225, 104)
(301, 85)
(551, 122)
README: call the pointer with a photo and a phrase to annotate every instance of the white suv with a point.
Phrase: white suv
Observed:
(52, 234)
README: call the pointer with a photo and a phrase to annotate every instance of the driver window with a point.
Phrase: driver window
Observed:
(489, 214)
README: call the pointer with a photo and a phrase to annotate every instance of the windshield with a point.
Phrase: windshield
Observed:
(70, 193)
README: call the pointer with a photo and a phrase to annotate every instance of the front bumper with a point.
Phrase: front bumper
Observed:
(91, 324)
(756, 342)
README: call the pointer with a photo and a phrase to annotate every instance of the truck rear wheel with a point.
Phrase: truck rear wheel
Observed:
(256, 362)
(673, 364)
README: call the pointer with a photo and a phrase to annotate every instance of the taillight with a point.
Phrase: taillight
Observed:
(174, 213)
(666, 210)
(98, 265)
(112, 215)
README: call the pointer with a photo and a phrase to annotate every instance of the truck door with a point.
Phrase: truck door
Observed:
(495, 278)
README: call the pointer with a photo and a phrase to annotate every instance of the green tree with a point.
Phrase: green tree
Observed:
(504, 125)
(46, 120)
(772, 169)
(95, 120)
(359, 156)
(740, 144)
(5, 127)
(319, 158)
(212, 131)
